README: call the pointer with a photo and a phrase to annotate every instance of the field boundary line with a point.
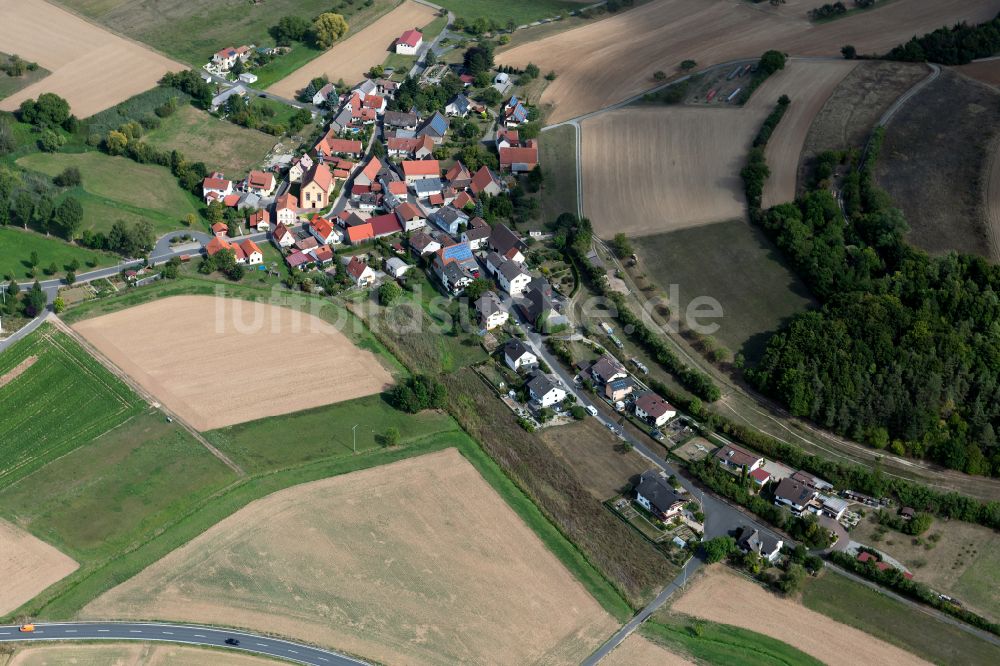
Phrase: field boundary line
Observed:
(148, 397)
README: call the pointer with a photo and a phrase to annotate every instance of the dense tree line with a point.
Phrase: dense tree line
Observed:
(957, 45)
(190, 83)
(419, 392)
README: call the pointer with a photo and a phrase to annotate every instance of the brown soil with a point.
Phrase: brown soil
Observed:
(935, 164)
(27, 566)
(351, 58)
(723, 596)
(417, 562)
(17, 370)
(588, 449)
(856, 104)
(217, 361)
(131, 654)
(639, 651)
(987, 71)
(598, 67)
(91, 67)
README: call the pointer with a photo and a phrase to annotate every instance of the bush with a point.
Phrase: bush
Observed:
(70, 177)
(418, 393)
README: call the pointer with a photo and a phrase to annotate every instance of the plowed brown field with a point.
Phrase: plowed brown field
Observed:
(27, 566)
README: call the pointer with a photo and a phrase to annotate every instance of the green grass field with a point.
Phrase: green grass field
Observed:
(325, 433)
(63, 400)
(11, 84)
(521, 11)
(16, 246)
(220, 144)
(557, 155)
(979, 585)
(712, 643)
(858, 606)
(733, 263)
(117, 188)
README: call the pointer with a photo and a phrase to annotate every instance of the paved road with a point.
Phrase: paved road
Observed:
(177, 633)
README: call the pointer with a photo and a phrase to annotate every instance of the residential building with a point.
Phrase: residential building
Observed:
(484, 182)
(513, 278)
(458, 176)
(259, 221)
(283, 236)
(385, 225)
(220, 230)
(228, 56)
(323, 231)
(834, 507)
(299, 260)
(435, 127)
(360, 272)
(422, 244)
(516, 355)
(737, 458)
(490, 311)
(654, 409)
(795, 495)
(760, 477)
(655, 495)
(519, 160)
(618, 389)
(396, 267)
(360, 233)
(409, 42)
(505, 243)
(216, 186)
(286, 209)
(448, 219)
(545, 390)
(331, 145)
(317, 186)
(514, 113)
(537, 306)
(261, 183)
(607, 369)
(459, 106)
(414, 170)
(323, 255)
(400, 120)
(477, 233)
(454, 276)
(326, 95)
(507, 138)
(369, 174)
(427, 187)
(251, 252)
(411, 216)
(766, 546)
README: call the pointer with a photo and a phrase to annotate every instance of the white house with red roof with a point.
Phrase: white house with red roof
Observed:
(283, 236)
(409, 42)
(220, 230)
(324, 231)
(227, 57)
(261, 183)
(519, 160)
(215, 187)
(299, 166)
(331, 144)
(484, 182)
(260, 221)
(654, 409)
(369, 174)
(251, 252)
(360, 272)
(414, 170)
(285, 208)
(411, 216)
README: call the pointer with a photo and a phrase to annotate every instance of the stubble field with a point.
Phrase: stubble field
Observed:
(91, 67)
(352, 57)
(27, 566)
(419, 561)
(596, 67)
(217, 361)
(723, 596)
(131, 654)
(637, 650)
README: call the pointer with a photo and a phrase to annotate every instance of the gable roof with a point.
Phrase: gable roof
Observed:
(249, 247)
(511, 269)
(762, 544)
(653, 405)
(541, 385)
(371, 169)
(482, 180)
(607, 367)
(504, 240)
(356, 268)
(321, 226)
(457, 172)
(331, 144)
(514, 155)
(659, 493)
(400, 119)
(515, 349)
(217, 245)
(260, 180)
(383, 225)
(281, 231)
(320, 175)
(793, 491)
(462, 200)
(489, 303)
(286, 200)
(408, 211)
(420, 241)
(360, 232)
(436, 125)
(323, 253)
(411, 37)
(736, 455)
(412, 168)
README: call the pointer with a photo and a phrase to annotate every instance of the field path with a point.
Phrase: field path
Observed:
(135, 386)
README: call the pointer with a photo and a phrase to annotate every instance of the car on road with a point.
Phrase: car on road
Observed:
(27, 628)
(592, 410)
(232, 641)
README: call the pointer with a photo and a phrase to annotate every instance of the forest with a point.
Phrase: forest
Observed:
(957, 45)
(904, 353)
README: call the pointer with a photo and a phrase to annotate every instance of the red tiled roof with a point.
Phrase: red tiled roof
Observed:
(286, 200)
(481, 180)
(319, 174)
(462, 200)
(653, 405)
(323, 253)
(397, 187)
(360, 232)
(421, 168)
(360, 189)
(280, 231)
(456, 172)
(383, 225)
(219, 227)
(230, 200)
(330, 144)
(258, 217)
(261, 180)
(514, 155)
(321, 226)
(296, 259)
(408, 211)
(410, 38)
(212, 183)
(249, 247)
(371, 169)
(217, 245)
(436, 199)
(374, 101)
(356, 268)
(760, 475)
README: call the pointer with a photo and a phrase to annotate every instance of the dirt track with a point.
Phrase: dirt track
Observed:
(351, 58)
(655, 169)
(91, 67)
(415, 562)
(27, 566)
(216, 362)
(722, 596)
(597, 67)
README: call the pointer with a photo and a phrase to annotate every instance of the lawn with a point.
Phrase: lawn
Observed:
(325, 433)
(117, 188)
(713, 643)
(521, 11)
(557, 155)
(16, 246)
(858, 606)
(60, 401)
(979, 585)
(11, 84)
(703, 262)
(220, 144)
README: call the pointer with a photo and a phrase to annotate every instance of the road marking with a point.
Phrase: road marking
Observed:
(199, 635)
(262, 644)
(4, 633)
(293, 651)
(71, 631)
(321, 658)
(103, 631)
(135, 631)
(169, 633)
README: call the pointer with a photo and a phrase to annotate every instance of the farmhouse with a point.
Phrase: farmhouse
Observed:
(414, 170)
(261, 183)
(360, 233)
(505, 243)
(228, 56)
(795, 495)
(411, 216)
(216, 187)
(514, 113)
(285, 208)
(458, 176)
(400, 120)
(323, 231)
(317, 185)
(385, 225)
(360, 272)
(545, 391)
(490, 311)
(283, 237)
(654, 409)
(737, 458)
(764, 545)
(517, 356)
(409, 42)
(435, 127)
(484, 182)
(519, 160)
(331, 145)
(655, 495)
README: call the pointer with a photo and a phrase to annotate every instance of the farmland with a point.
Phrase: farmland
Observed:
(131, 654)
(395, 566)
(62, 401)
(557, 152)
(587, 450)
(521, 12)
(355, 55)
(27, 565)
(223, 146)
(597, 68)
(639, 651)
(767, 294)
(11, 84)
(175, 348)
(720, 595)
(16, 246)
(83, 58)
(106, 195)
(987, 71)
(935, 163)
(693, 154)
(856, 605)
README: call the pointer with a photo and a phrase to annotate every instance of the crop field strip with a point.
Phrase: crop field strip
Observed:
(63, 400)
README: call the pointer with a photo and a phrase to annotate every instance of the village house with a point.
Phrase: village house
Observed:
(261, 183)
(464, 202)
(490, 311)
(737, 458)
(396, 267)
(477, 233)
(425, 188)
(285, 209)
(458, 176)
(606, 370)
(513, 278)
(323, 231)
(306, 244)
(299, 260)
(455, 267)
(760, 478)
(227, 57)
(385, 225)
(448, 219)
(832, 507)
(411, 216)
(655, 495)
(484, 182)
(326, 95)
(369, 174)
(360, 233)
(220, 230)
(436, 127)
(516, 355)
(507, 138)
(545, 391)
(317, 185)
(418, 148)
(376, 103)
(653, 409)
(283, 236)
(259, 221)
(795, 495)
(323, 255)
(299, 166)
(619, 389)
(215, 187)
(537, 306)
(414, 170)
(400, 120)
(766, 546)
(505, 243)
(514, 113)
(331, 145)
(360, 272)
(422, 244)
(252, 252)
(409, 42)
(245, 252)
(519, 160)
(459, 106)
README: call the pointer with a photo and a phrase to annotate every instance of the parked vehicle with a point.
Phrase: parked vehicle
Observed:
(592, 410)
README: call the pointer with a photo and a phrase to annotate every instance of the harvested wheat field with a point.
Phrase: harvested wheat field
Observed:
(217, 361)
(351, 58)
(416, 562)
(723, 596)
(131, 654)
(598, 67)
(27, 566)
(637, 650)
(91, 67)
(650, 170)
